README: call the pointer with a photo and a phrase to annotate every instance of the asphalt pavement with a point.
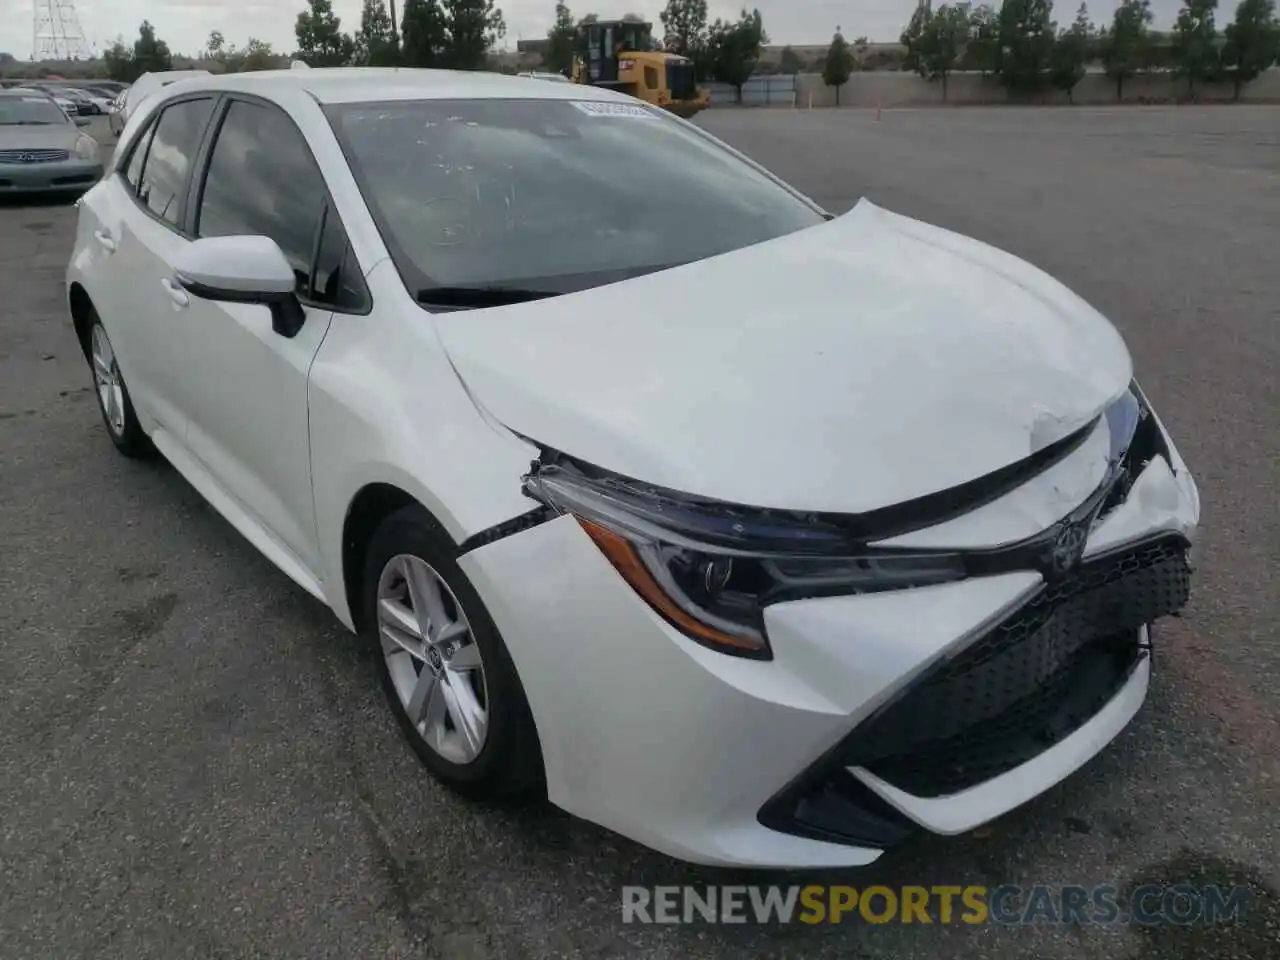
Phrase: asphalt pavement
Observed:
(195, 760)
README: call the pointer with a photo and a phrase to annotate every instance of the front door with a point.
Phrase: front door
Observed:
(245, 393)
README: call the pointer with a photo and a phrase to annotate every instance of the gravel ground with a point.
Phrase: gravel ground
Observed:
(195, 761)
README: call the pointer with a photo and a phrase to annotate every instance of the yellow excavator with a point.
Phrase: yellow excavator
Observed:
(622, 55)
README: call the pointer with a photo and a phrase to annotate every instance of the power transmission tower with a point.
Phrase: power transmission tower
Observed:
(57, 34)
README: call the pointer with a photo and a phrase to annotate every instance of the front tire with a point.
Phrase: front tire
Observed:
(444, 668)
(113, 396)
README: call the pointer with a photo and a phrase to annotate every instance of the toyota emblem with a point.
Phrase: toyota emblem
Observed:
(1068, 547)
(25, 158)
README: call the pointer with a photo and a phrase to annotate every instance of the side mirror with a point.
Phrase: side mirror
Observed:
(82, 121)
(243, 270)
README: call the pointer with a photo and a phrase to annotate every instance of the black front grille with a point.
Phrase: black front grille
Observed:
(680, 81)
(1030, 681)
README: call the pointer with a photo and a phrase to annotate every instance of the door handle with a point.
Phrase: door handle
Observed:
(175, 292)
(105, 240)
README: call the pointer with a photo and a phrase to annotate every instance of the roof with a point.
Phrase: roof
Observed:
(25, 93)
(357, 84)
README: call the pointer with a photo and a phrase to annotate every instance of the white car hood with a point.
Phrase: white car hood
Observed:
(857, 364)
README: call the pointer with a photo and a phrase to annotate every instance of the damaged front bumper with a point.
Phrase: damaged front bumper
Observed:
(938, 707)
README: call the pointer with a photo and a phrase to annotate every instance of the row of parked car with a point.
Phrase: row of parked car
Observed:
(78, 98)
(42, 148)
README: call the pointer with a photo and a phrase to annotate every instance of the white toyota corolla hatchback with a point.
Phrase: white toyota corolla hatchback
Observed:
(759, 535)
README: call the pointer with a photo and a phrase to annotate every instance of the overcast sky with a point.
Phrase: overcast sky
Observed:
(185, 24)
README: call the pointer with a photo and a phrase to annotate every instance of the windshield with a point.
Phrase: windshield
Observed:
(32, 110)
(552, 195)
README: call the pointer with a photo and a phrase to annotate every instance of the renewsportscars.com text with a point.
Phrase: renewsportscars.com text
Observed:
(1150, 905)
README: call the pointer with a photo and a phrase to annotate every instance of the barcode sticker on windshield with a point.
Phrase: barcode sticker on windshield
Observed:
(628, 111)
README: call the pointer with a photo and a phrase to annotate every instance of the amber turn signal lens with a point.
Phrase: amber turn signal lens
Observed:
(628, 563)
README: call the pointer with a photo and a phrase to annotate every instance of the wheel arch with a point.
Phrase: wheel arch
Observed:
(390, 490)
(372, 504)
(82, 310)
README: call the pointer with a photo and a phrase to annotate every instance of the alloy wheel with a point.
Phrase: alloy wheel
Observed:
(432, 658)
(106, 377)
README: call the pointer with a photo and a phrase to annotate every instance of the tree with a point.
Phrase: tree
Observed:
(684, 23)
(376, 43)
(150, 55)
(562, 41)
(983, 52)
(935, 40)
(733, 49)
(838, 65)
(423, 33)
(789, 61)
(321, 42)
(1071, 52)
(1253, 42)
(471, 28)
(256, 55)
(1027, 35)
(1124, 46)
(119, 62)
(1194, 54)
(912, 36)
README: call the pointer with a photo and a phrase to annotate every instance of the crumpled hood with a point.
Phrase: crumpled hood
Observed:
(860, 363)
(51, 137)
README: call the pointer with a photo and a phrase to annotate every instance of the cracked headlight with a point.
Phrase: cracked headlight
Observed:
(711, 568)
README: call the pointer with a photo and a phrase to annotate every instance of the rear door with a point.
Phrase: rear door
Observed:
(147, 233)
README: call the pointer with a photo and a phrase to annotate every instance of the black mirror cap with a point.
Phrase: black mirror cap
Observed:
(287, 313)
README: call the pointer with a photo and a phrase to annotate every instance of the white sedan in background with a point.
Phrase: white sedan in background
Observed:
(762, 536)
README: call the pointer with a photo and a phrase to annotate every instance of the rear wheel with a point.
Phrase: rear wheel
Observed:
(444, 668)
(113, 396)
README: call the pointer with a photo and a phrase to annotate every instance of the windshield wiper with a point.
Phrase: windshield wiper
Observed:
(491, 296)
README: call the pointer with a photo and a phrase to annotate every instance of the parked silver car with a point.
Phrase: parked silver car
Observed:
(42, 150)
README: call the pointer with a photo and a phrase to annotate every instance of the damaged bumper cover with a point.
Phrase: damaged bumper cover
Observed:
(886, 673)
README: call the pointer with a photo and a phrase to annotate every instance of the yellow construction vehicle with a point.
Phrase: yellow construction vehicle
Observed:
(622, 55)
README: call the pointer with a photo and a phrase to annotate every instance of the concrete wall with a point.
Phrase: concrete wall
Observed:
(776, 90)
(908, 89)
